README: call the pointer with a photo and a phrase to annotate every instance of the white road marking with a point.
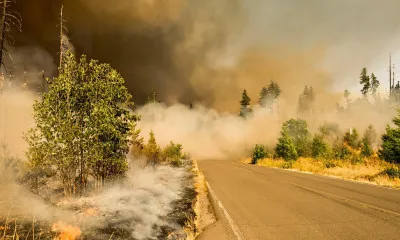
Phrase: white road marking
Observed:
(235, 229)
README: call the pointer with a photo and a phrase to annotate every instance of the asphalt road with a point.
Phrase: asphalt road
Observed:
(261, 203)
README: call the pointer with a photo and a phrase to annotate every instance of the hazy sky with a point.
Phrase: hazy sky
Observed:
(356, 33)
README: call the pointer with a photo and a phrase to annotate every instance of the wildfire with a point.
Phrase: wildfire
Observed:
(67, 232)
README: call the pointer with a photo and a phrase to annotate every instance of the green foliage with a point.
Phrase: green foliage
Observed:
(351, 138)
(285, 148)
(152, 98)
(298, 132)
(365, 82)
(370, 135)
(390, 148)
(136, 142)
(173, 154)
(245, 110)
(82, 124)
(269, 94)
(392, 172)
(374, 84)
(245, 102)
(152, 151)
(340, 150)
(366, 149)
(319, 148)
(306, 100)
(259, 153)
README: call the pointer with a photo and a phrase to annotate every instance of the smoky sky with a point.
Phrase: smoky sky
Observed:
(174, 46)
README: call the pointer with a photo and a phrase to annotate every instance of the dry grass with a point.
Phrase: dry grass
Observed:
(368, 170)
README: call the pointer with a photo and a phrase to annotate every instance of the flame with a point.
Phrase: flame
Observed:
(67, 232)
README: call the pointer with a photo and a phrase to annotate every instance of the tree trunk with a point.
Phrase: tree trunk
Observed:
(3, 31)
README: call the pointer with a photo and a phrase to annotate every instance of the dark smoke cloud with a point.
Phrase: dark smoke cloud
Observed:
(177, 46)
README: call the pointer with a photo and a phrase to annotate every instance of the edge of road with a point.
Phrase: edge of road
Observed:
(223, 227)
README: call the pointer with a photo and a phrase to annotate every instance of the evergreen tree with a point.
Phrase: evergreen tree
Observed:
(152, 98)
(351, 138)
(82, 125)
(319, 148)
(298, 132)
(245, 110)
(285, 148)
(366, 149)
(395, 96)
(152, 150)
(374, 84)
(370, 135)
(390, 148)
(306, 100)
(365, 82)
(269, 95)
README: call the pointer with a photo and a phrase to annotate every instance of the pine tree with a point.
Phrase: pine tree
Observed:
(351, 138)
(374, 84)
(152, 150)
(306, 100)
(269, 95)
(245, 110)
(366, 149)
(319, 148)
(370, 135)
(285, 148)
(152, 98)
(390, 148)
(346, 95)
(365, 82)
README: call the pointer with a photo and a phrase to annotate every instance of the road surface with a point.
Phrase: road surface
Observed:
(262, 203)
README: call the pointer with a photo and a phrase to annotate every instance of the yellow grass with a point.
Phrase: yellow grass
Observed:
(366, 171)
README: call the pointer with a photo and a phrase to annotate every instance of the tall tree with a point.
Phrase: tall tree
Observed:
(306, 100)
(9, 18)
(269, 94)
(365, 82)
(374, 84)
(346, 95)
(82, 125)
(153, 98)
(245, 110)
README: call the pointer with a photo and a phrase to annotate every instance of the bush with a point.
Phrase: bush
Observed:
(390, 150)
(351, 138)
(341, 151)
(259, 152)
(173, 151)
(285, 148)
(366, 149)
(298, 132)
(391, 172)
(318, 147)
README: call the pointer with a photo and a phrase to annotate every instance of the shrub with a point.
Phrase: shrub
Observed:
(340, 150)
(298, 132)
(390, 150)
(366, 149)
(392, 172)
(285, 148)
(318, 147)
(259, 152)
(351, 138)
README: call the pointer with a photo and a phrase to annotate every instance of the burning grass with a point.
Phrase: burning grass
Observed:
(372, 170)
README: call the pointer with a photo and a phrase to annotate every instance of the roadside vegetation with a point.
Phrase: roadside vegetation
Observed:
(332, 150)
